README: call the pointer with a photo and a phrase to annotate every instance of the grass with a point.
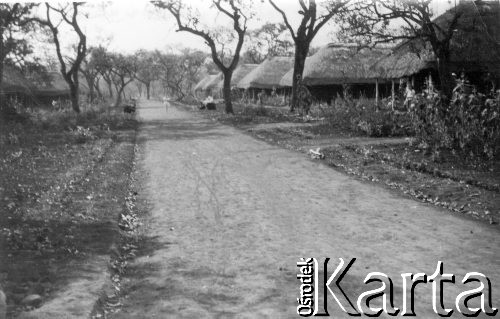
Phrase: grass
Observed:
(63, 180)
(348, 117)
(246, 114)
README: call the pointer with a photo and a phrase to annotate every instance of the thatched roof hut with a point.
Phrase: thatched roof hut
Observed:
(201, 84)
(54, 86)
(287, 79)
(268, 74)
(475, 45)
(214, 82)
(337, 64)
(239, 73)
(407, 59)
(14, 82)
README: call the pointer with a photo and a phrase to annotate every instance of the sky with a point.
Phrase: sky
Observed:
(129, 25)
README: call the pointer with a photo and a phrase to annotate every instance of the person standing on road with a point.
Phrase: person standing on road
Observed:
(165, 102)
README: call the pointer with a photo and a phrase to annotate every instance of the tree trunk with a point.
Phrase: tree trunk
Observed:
(110, 88)
(445, 78)
(376, 94)
(298, 68)
(226, 91)
(119, 97)
(392, 94)
(98, 89)
(73, 88)
(90, 82)
(148, 87)
(2, 95)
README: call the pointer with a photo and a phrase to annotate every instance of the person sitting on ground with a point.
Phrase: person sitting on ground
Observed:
(209, 99)
(208, 103)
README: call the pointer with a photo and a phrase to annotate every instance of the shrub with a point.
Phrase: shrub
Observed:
(362, 116)
(469, 124)
(254, 111)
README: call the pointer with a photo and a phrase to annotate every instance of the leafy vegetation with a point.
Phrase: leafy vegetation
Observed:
(60, 205)
(468, 125)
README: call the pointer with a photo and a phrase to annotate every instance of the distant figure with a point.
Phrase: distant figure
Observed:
(164, 100)
(129, 109)
(56, 104)
(260, 98)
(409, 95)
(274, 92)
(244, 96)
(208, 104)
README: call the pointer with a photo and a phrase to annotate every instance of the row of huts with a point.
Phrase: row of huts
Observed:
(39, 89)
(379, 72)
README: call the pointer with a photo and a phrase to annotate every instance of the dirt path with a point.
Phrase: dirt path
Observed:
(230, 217)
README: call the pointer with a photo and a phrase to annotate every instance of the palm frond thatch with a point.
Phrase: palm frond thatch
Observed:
(268, 74)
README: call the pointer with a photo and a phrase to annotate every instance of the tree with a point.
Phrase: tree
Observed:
(15, 21)
(123, 71)
(147, 69)
(309, 26)
(268, 41)
(90, 72)
(375, 22)
(103, 65)
(178, 73)
(192, 63)
(69, 67)
(225, 59)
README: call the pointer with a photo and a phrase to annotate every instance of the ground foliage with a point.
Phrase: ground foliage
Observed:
(61, 191)
(247, 113)
(468, 125)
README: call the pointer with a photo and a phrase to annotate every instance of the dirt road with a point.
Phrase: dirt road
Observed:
(230, 216)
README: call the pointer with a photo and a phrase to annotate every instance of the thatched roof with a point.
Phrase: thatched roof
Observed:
(475, 45)
(339, 64)
(239, 73)
(55, 86)
(405, 60)
(287, 79)
(14, 82)
(200, 86)
(213, 82)
(268, 74)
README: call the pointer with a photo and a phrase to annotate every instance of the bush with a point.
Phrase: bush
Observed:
(469, 124)
(252, 111)
(363, 117)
